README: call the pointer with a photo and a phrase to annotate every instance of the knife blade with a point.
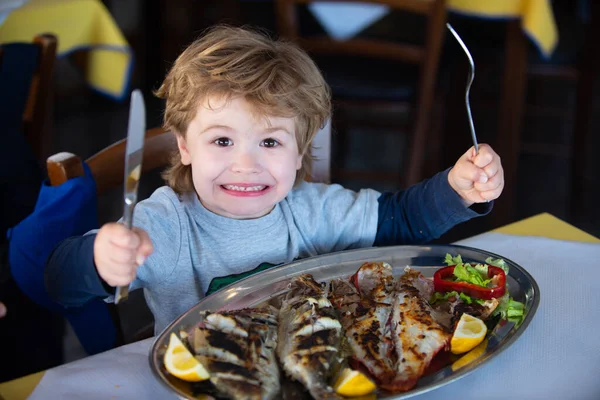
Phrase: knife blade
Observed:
(134, 151)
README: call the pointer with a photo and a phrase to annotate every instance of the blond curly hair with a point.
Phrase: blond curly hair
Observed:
(276, 77)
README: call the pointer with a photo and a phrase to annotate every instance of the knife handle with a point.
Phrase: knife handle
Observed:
(130, 201)
(122, 292)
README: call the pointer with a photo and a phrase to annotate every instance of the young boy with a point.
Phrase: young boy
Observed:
(245, 110)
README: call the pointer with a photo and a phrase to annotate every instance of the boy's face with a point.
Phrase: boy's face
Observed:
(242, 165)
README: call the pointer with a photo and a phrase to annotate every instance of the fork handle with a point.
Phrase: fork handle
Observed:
(471, 125)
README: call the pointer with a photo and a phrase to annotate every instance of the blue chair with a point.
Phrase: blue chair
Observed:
(36, 216)
(61, 212)
(25, 79)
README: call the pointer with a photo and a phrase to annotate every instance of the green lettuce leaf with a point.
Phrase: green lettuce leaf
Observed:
(469, 274)
(465, 298)
(449, 260)
(510, 309)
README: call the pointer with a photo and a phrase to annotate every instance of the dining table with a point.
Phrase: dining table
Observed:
(557, 356)
(85, 27)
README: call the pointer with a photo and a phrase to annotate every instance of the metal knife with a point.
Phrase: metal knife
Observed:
(133, 166)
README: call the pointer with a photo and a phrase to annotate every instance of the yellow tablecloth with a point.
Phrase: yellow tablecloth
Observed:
(548, 226)
(536, 17)
(78, 24)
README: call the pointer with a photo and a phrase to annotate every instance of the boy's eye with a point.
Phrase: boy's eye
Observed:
(270, 142)
(223, 142)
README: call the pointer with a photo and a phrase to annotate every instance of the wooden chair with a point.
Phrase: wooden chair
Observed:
(424, 57)
(37, 111)
(108, 165)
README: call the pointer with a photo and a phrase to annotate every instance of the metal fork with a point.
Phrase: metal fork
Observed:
(469, 82)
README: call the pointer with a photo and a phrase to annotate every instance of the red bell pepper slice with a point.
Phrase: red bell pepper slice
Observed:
(442, 284)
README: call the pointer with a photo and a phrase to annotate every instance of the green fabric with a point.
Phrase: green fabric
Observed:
(222, 281)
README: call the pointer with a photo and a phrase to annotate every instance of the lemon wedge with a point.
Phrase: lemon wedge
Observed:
(469, 332)
(181, 363)
(352, 383)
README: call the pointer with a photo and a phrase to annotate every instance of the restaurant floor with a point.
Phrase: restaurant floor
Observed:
(86, 122)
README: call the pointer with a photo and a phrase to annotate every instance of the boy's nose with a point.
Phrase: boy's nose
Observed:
(246, 162)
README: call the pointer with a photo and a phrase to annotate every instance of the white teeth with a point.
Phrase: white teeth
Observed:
(244, 188)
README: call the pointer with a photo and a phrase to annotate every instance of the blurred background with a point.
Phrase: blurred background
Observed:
(85, 121)
(535, 98)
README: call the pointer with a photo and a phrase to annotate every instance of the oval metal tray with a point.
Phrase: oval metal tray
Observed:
(263, 286)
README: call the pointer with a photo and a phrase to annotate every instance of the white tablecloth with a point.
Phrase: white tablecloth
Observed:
(557, 357)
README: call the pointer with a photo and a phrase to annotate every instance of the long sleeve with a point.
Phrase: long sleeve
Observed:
(70, 275)
(422, 212)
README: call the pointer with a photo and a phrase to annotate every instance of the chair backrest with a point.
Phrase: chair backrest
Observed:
(425, 56)
(108, 165)
(37, 107)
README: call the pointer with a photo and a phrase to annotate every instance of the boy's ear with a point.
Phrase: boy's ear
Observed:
(183, 150)
(299, 161)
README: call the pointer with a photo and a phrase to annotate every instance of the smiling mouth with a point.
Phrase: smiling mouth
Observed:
(235, 188)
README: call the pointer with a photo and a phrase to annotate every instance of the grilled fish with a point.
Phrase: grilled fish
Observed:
(418, 336)
(238, 349)
(365, 307)
(389, 323)
(309, 337)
